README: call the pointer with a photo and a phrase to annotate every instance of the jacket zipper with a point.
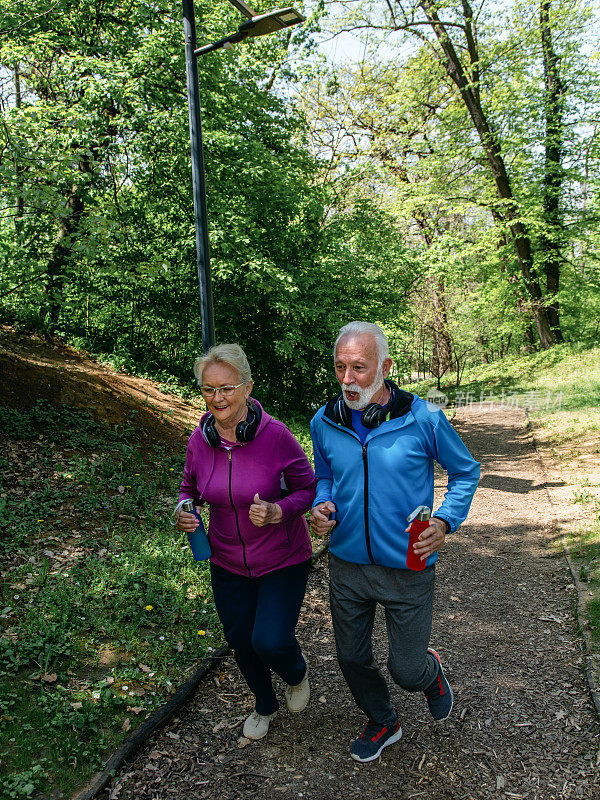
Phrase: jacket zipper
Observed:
(365, 491)
(237, 522)
(366, 501)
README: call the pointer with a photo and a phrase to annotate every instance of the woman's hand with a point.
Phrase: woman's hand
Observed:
(264, 513)
(187, 522)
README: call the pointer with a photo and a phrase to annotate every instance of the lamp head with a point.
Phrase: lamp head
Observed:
(271, 22)
(257, 25)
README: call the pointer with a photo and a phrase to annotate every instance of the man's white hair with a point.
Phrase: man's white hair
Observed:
(359, 329)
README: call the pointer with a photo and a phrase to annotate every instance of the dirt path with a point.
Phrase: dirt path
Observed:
(523, 724)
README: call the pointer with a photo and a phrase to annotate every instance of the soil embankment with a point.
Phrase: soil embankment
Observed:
(32, 369)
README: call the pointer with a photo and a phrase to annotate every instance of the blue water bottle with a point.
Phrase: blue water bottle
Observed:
(198, 539)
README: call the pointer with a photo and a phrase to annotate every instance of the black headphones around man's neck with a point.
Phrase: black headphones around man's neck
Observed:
(374, 413)
(245, 431)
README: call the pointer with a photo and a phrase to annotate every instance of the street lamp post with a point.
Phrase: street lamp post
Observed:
(254, 25)
(198, 184)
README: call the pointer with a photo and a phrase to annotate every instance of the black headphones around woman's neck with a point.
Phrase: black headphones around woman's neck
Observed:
(245, 430)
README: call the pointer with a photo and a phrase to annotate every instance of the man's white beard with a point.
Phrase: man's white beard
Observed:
(365, 394)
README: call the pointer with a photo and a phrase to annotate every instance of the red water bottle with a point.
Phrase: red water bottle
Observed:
(419, 520)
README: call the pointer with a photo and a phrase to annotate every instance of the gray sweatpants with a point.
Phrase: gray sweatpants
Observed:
(407, 597)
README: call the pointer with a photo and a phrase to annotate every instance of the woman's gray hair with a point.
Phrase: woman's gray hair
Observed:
(359, 329)
(231, 354)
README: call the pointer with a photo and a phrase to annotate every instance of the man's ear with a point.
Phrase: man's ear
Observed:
(386, 366)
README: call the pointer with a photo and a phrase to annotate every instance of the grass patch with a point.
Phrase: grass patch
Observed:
(563, 379)
(103, 611)
(584, 545)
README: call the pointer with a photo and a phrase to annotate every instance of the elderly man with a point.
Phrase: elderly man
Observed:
(374, 449)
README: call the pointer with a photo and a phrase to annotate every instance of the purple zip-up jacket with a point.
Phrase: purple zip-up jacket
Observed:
(228, 479)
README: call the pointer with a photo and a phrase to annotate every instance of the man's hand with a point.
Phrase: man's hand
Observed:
(187, 522)
(320, 521)
(431, 539)
(264, 513)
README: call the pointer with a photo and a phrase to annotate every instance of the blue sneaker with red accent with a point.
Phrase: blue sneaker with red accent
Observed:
(373, 739)
(440, 698)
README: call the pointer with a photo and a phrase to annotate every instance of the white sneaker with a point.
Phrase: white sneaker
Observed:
(297, 697)
(257, 725)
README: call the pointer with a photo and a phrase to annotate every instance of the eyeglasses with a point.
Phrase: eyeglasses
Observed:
(226, 391)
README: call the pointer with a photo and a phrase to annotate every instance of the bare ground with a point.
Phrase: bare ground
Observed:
(523, 725)
(33, 368)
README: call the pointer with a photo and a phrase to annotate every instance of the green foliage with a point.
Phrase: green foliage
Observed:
(584, 545)
(593, 610)
(102, 247)
(394, 218)
(23, 784)
(403, 122)
(44, 647)
(100, 605)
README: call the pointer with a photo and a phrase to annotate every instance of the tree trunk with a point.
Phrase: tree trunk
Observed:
(550, 237)
(442, 342)
(70, 224)
(20, 201)
(132, 322)
(56, 270)
(529, 334)
(509, 212)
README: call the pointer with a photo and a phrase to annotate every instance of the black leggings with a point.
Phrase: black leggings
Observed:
(259, 617)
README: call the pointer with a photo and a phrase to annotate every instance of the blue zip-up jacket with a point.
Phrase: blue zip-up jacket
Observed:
(376, 486)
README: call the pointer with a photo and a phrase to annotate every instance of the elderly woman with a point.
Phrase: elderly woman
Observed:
(258, 483)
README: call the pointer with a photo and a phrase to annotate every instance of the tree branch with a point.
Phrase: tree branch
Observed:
(23, 283)
(27, 21)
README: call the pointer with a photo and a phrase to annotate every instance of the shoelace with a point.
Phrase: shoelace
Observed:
(373, 731)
